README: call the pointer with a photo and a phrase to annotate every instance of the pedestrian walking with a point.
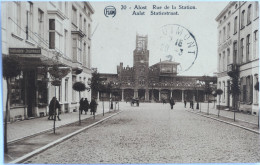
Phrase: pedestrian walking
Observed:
(172, 102)
(93, 106)
(86, 105)
(191, 104)
(53, 106)
(185, 102)
(81, 105)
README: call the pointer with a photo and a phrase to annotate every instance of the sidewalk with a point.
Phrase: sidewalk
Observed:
(253, 119)
(21, 129)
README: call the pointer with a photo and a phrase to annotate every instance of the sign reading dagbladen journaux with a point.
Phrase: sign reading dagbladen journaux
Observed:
(24, 50)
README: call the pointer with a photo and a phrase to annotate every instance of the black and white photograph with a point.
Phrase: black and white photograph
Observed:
(130, 82)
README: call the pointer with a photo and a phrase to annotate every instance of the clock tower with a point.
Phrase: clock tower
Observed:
(141, 66)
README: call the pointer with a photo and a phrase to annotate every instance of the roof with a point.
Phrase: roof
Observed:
(225, 10)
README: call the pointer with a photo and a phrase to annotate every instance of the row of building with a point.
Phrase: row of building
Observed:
(42, 35)
(238, 49)
(47, 34)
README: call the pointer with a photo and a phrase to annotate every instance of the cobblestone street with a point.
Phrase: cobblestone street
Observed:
(152, 133)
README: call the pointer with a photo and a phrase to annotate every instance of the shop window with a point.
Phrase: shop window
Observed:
(42, 93)
(17, 91)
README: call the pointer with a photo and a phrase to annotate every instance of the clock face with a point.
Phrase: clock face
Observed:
(140, 45)
(178, 45)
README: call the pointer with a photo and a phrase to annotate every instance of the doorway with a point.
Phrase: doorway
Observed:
(31, 94)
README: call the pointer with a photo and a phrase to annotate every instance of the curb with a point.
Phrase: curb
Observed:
(39, 150)
(236, 125)
(44, 131)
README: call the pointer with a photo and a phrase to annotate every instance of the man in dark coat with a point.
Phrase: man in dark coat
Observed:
(191, 104)
(86, 105)
(172, 102)
(53, 106)
(185, 102)
(81, 105)
(93, 106)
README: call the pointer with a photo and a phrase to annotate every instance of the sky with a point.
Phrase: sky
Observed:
(114, 38)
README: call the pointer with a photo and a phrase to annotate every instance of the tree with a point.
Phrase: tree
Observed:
(11, 68)
(79, 87)
(234, 86)
(219, 92)
(95, 83)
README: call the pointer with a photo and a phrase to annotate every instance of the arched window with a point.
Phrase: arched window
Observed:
(247, 47)
(249, 14)
(235, 25)
(243, 19)
(242, 49)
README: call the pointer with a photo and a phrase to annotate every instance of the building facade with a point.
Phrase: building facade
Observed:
(238, 49)
(42, 35)
(153, 83)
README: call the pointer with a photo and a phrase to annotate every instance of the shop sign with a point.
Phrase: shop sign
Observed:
(225, 45)
(24, 50)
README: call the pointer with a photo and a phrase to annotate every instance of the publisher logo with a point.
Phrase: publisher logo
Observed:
(110, 11)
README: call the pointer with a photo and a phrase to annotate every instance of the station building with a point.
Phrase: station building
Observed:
(238, 48)
(41, 35)
(153, 83)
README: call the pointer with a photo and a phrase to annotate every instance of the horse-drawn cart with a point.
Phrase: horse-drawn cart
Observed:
(135, 101)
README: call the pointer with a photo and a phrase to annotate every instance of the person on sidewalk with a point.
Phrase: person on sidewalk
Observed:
(53, 106)
(172, 102)
(93, 106)
(86, 105)
(191, 104)
(81, 105)
(185, 102)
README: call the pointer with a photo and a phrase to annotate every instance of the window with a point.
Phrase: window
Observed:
(256, 9)
(51, 33)
(16, 18)
(224, 33)
(74, 15)
(73, 91)
(235, 25)
(65, 42)
(89, 31)
(41, 25)
(228, 56)
(228, 30)
(235, 53)
(242, 49)
(79, 53)
(219, 39)
(224, 61)
(255, 49)
(85, 27)
(219, 63)
(255, 35)
(249, 14)
(17, 91)
(80, 22)
(29, 20)
(89, 56)
(66, 90)
(242, 19)
(247, 47)
(224, 91)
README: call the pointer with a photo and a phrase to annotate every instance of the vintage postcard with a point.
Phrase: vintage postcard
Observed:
(114, 82)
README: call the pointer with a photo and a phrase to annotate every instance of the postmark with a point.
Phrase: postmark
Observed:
(178, 44)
